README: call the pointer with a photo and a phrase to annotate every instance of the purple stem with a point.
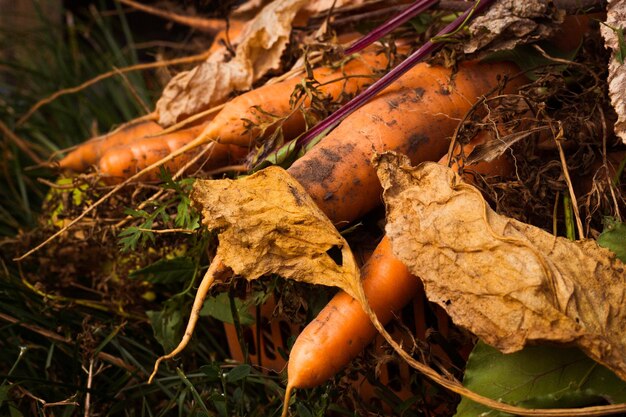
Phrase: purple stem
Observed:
(382, 30)
(426, 49)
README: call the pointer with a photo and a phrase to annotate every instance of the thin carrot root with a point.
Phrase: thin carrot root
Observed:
(288, 392)
(207, 281)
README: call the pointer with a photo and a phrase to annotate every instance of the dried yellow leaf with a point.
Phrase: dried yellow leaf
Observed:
(263, 41)
(613, 33)
(268, 224)
(510, 283)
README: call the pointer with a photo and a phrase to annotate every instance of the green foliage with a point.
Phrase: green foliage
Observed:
(167, 323)
(184, 217)
(168, 271)
(238, 373)
(620, 52)
(531, 61)
(538, 377)
(219, 307)
(133, 236)
(421, 23)
(614, 237)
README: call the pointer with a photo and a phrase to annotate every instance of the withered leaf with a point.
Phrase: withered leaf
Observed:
(262, 43)
(268, 224)
(319, 6)
(510, 283)
(613, 33)
(509, 23)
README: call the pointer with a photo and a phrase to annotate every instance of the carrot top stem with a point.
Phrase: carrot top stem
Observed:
(428, 48)
(416, 8)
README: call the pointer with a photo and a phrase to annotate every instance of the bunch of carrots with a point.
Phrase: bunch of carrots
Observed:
(415, 112)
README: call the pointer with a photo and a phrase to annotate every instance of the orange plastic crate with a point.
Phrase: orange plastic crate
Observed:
(266, 349)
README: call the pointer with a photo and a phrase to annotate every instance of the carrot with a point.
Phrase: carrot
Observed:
(123, 161)
(342, 327)
(415, 116)
(232, 124)
(90, 152)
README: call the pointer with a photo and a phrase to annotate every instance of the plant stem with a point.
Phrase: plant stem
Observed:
(428, 48)
(416, 8)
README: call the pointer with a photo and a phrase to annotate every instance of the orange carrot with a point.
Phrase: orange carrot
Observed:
(123, 161)
(89, 153)
(342, 327)
(415, 116)
(232, 124)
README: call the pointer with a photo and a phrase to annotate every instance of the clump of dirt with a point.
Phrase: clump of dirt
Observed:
(562, 116)
(87, 264)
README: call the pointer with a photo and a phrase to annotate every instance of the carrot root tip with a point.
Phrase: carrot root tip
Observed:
(203, 289)
(288, 392)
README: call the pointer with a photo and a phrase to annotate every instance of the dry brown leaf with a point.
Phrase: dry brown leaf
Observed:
(263, 41)
(510, 283)
(509, 22)
(268, 224)
(615, 18)
(319, 6)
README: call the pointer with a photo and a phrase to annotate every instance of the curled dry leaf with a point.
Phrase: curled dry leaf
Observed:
(510, 283)
(263, 41)
(268, 224)
(319, 6)
(508, 23)
(612, 31)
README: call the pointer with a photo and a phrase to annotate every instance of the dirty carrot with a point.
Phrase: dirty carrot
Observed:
(232, 125)
(342, 327)
(415, 116)
(238, 123)
(123, 161)
(89, 153)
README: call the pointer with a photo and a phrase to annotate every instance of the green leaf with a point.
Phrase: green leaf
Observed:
(212, 372)
(167, 271)
(614, 237)
(167, 324)
(303, 411)
(238, 373)
(219, 402)
(620, 53)
(621, 44)
(136, 213)
(4, 393)
(421, 23)
(219, 308)
(14, 412)
(129, 238)
(186, 217)
(538, 376)
(530, 60)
